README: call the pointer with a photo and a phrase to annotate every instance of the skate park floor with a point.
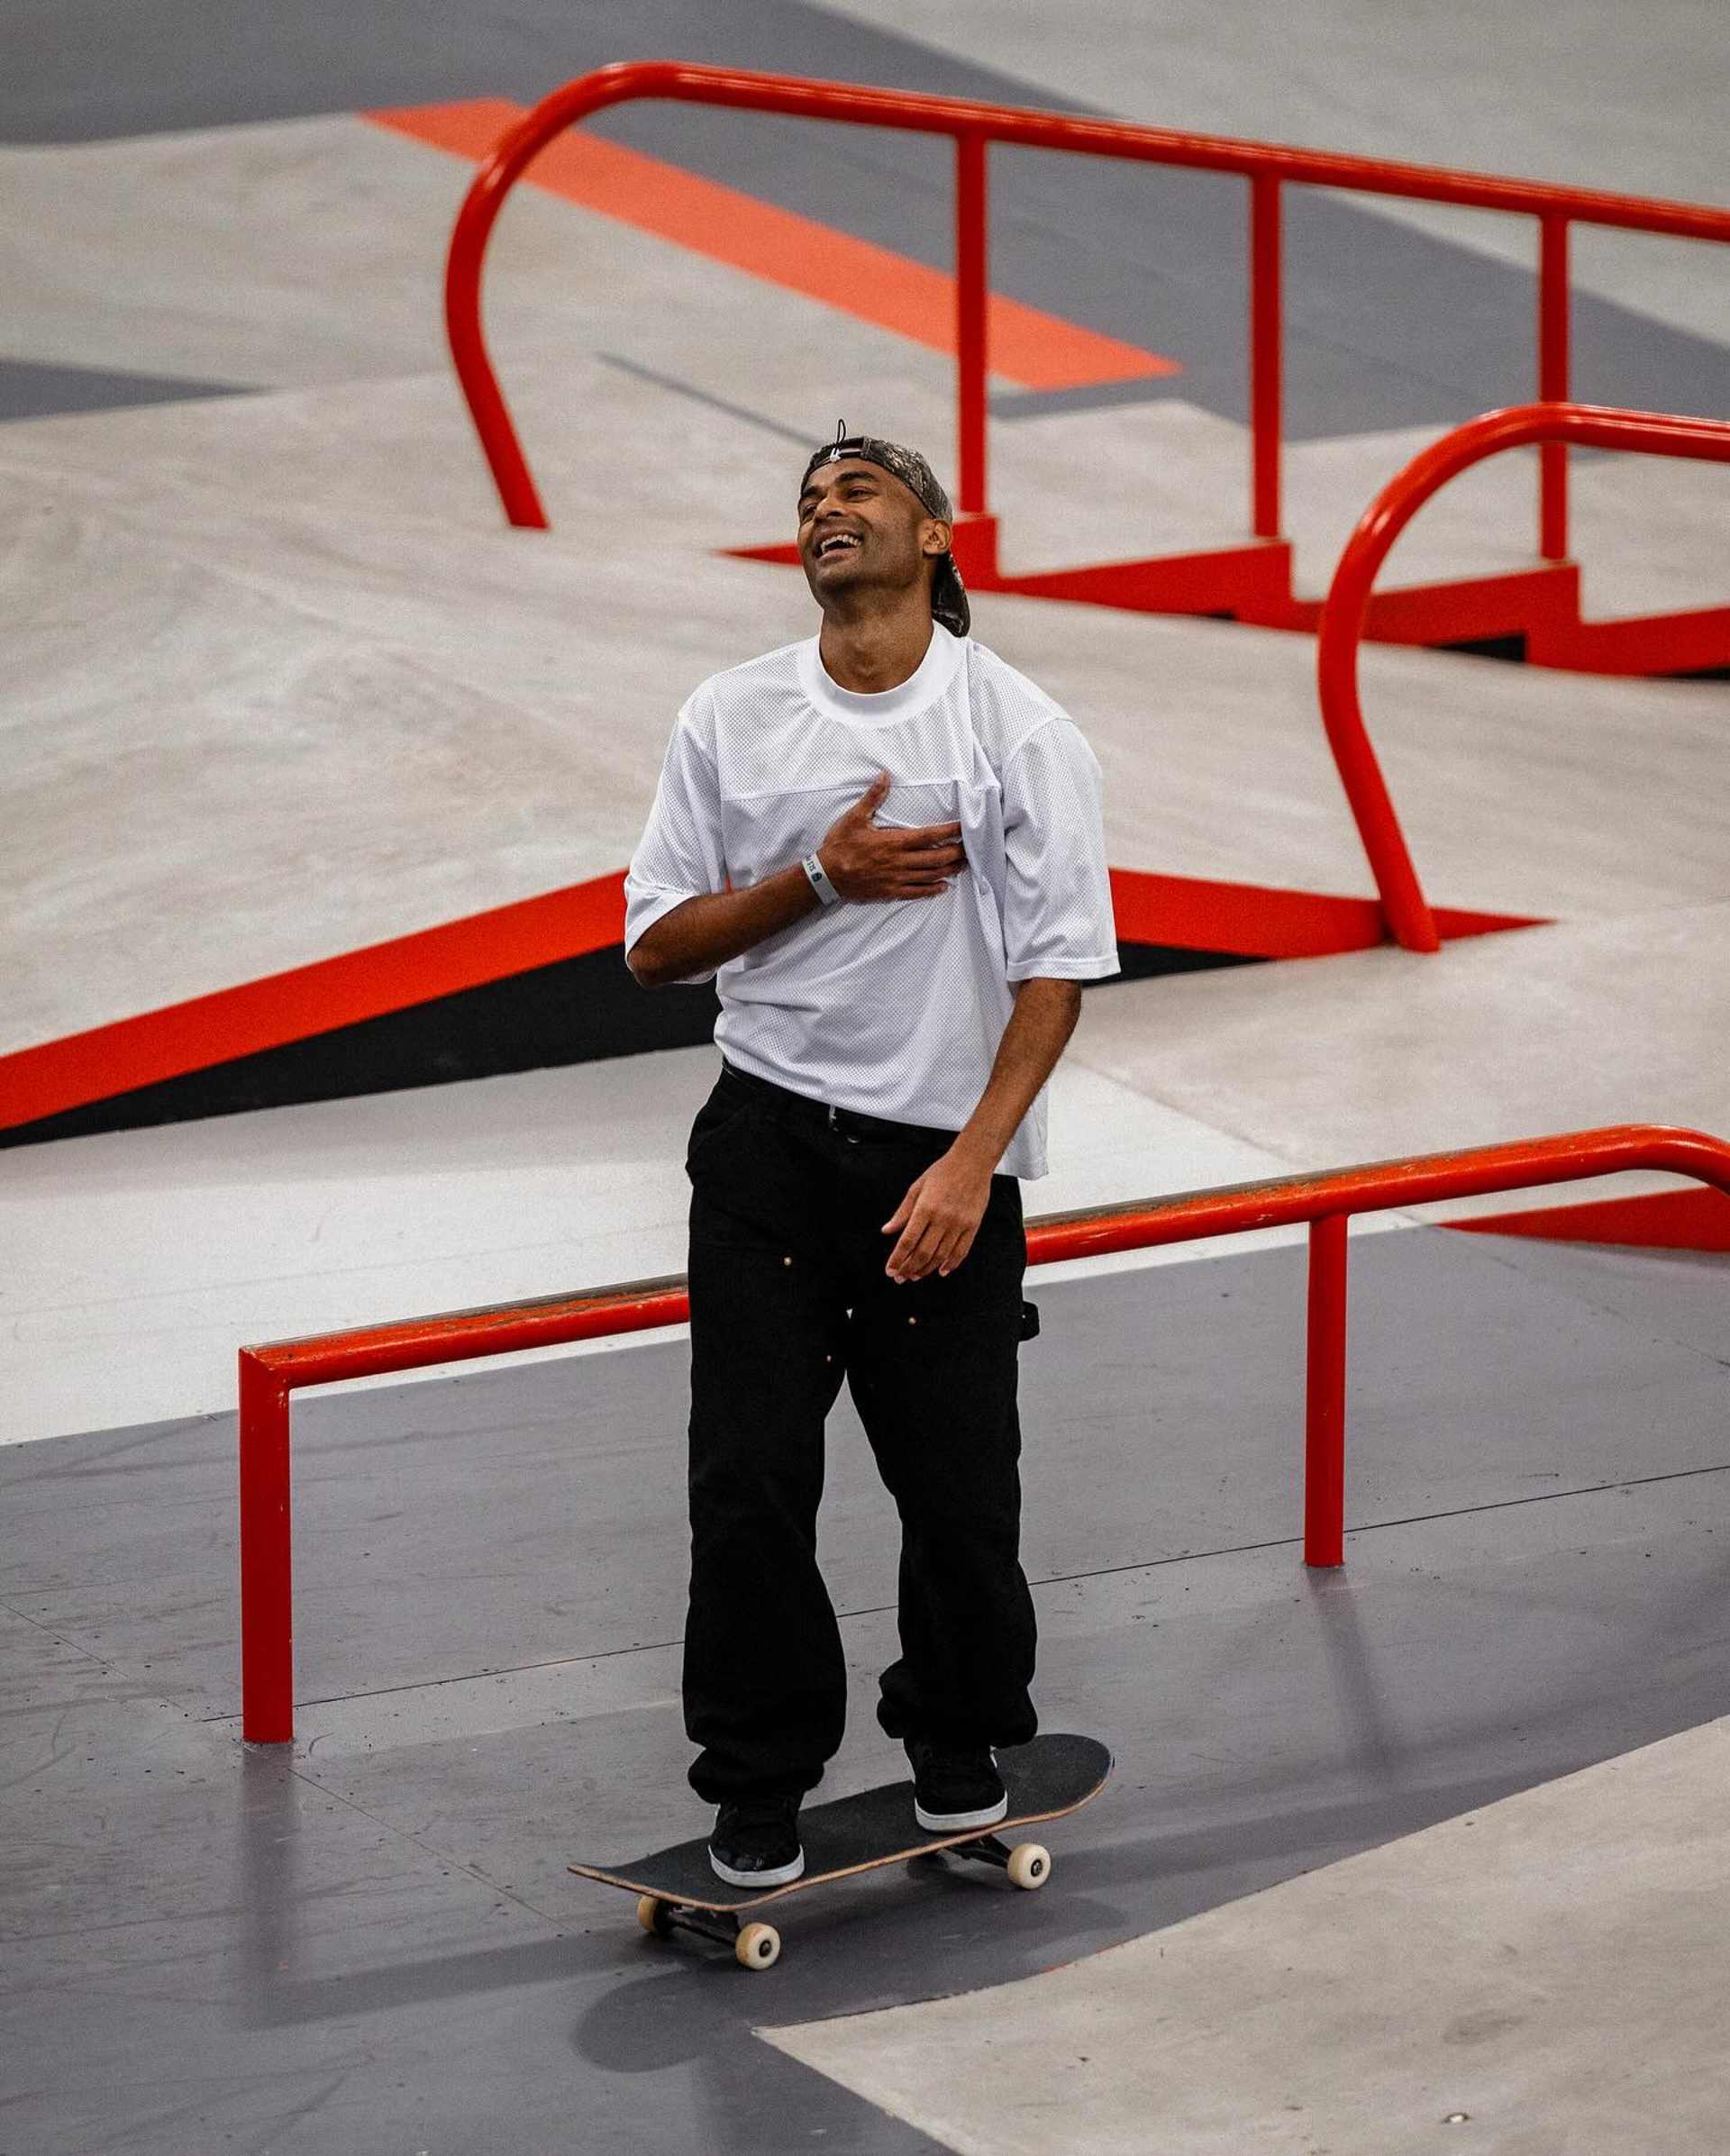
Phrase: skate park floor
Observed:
(370, 1939)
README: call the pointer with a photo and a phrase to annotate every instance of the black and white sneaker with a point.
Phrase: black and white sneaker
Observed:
(955, 1786)
(756, 1841)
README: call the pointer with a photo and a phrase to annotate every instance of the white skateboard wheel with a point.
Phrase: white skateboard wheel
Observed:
(1029, 1866)
(758, 1946)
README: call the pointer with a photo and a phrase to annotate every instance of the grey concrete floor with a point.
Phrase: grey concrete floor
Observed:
(372, 1941)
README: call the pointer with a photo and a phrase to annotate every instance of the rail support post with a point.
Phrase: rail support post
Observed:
(972, 306)
(266, 1596)
(1553, 313)
(1267, 314)
(1325, 1425)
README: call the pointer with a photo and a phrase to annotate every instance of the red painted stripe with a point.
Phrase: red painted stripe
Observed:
(394, 976)
(1669, 1220)
(307, 1000)
(1257, 921)
(870, 283)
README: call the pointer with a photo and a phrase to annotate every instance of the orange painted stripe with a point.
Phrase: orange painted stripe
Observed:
(1669, 1220)
(872, 283)
(308, 1000)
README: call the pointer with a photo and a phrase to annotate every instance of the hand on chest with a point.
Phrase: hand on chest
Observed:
(780, 799)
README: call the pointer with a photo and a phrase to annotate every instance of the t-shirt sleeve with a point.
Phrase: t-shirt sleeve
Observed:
(680, 855)
(1057, 918)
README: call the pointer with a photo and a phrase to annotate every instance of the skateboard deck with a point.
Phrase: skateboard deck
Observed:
(678, 1889)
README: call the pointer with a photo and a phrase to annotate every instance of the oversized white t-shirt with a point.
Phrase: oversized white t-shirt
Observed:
(893, 1007)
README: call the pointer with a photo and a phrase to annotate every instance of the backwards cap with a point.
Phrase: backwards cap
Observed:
(948, 594)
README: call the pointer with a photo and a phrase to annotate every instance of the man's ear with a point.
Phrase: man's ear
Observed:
(937, 536)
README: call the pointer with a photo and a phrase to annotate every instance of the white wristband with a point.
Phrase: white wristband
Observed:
(820, 883)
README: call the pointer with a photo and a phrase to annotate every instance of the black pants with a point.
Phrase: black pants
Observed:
(789, 1295)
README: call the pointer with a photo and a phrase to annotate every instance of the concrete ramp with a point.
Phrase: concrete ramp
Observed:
(1542, 1975)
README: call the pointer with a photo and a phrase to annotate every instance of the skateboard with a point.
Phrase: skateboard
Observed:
(678, 1889)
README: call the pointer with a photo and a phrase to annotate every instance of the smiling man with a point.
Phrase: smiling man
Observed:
(886, 847)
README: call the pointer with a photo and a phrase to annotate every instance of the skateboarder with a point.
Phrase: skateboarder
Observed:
(885, 846)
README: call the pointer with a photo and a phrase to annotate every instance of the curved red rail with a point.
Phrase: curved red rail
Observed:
(270, 1374)
(972, 125)
(1340, 630)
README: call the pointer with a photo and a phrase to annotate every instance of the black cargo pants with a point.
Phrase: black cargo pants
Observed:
(789, 1295)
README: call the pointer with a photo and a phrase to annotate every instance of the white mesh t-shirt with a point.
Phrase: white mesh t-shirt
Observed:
(893, 1007)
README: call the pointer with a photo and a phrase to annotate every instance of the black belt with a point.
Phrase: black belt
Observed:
(848, 1123)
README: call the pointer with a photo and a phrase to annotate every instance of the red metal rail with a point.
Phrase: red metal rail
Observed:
(1340, 632)
(268, 1374)
(974, 126)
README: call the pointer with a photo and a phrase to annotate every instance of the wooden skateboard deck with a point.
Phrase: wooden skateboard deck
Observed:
(679, 1888)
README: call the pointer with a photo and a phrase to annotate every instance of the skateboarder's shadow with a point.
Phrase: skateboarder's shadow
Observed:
(693, 2019)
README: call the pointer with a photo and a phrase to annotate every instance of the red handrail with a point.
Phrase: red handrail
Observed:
(1340, 630)
(973, 125)
(268, 1374)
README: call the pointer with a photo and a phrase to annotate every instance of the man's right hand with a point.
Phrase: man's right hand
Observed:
(865, 860)
(703, 933)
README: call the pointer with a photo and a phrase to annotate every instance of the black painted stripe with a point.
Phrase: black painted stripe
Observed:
(578, 1010)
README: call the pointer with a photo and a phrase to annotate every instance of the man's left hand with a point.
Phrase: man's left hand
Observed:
(939, 1217)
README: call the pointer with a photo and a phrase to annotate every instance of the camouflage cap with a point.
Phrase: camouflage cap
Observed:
(948, 594)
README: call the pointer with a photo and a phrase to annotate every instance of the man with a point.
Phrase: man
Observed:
(886, 846)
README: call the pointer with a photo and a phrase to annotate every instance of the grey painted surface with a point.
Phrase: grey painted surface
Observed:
(1185, 1437)
(31, 391)
(1387, 326)
(1671, 1295)
(373, 1942)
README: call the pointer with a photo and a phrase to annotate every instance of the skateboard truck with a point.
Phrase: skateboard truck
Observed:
(754, 1945)
(757, 1945)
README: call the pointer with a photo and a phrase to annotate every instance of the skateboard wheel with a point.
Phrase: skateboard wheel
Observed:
(1029, 1865)
(758, 1946)
(654, 1916)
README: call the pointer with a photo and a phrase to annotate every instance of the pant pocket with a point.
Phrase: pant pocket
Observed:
(723, 1110)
